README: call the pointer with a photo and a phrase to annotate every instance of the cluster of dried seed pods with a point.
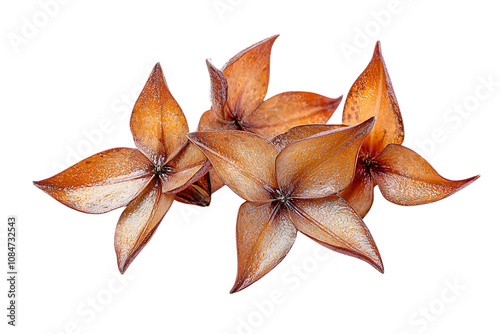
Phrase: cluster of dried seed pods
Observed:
(295, 172)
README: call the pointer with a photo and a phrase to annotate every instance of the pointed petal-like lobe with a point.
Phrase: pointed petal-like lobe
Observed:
(372, 95)
(359, 194)
(286, 110)
(244, 161)
(405, 178)
(185, 168)
(209, 121)
(199, 193)
(247, 76)
(158, 125)
(139, 221)
(301, 132)
(333, 223)
(264, 235)
(102, 182)
(218, 90)
(321, 165)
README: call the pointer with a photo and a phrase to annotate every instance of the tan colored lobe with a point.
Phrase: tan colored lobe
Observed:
(321, 165)
(158, 125)
(247, 75)
(244, 161)
(139, 221)
(372, 95)
(359, 194)
(264, 235)
(102, 182)
(405, 178)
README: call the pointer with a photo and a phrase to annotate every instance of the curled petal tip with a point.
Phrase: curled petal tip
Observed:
(123, 266)
(474, 178)
(468, 181)
(238, 286)
(378, 49)
(379, 266)
(371, 120)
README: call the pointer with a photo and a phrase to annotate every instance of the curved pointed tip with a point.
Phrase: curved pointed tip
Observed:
(371, 119)
(41, 185)
(123, 265)
(241, 283)
(375, 260)
(271, 39)
(336, 102)
(157, 70)
(379, 266)
(468, 181)
(472, 179)
(368, 124)
(238, 286)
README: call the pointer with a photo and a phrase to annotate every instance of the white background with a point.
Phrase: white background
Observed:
(76, 75)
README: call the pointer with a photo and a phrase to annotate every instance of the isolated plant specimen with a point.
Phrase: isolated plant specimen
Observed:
(403, 176)
(289, 189)
(145, 180)
(238, 92)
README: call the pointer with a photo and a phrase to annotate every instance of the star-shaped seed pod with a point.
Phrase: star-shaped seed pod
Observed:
(289, 188)
(238, 92)
(145, 180)
(403, 176)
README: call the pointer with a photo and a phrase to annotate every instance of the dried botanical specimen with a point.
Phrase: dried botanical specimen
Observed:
(290, 187)
(238, 92)
(404, 177)
(145, 180)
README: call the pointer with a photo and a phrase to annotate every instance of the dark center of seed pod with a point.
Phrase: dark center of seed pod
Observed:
(162, 169)
(281, 196)
(238, 123)
(367, 162)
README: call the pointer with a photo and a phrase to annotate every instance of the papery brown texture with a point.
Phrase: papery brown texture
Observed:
(264, 235)
(331, 221)
(237, 96)
(329, 170)
(404, 177)
(286, 191)
(158, 124)
(103, 182)
(371, 95)
(139, 221)
(145, 180)
(249, 173)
